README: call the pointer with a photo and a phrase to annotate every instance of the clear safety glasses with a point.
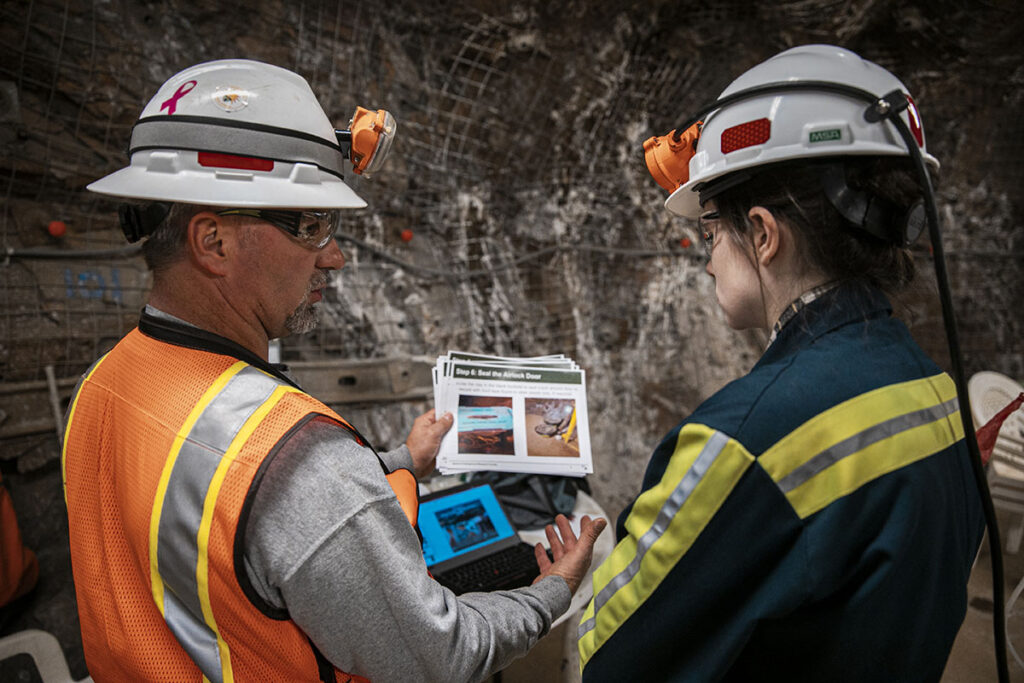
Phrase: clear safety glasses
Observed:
(706, 233)
(314, 229)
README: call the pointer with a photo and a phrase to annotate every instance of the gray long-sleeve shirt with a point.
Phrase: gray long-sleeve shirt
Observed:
(328, 541)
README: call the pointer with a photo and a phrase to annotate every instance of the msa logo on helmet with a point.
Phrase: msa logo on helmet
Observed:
(747, 134)
(828, 135)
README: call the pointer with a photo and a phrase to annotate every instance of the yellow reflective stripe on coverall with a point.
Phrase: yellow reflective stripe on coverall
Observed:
(838, 451)
(826, 458)
(667, 519)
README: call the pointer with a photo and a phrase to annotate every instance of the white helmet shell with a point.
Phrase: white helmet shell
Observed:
(234, 132)
(782, 126)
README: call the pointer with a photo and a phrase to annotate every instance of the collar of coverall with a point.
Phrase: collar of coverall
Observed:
(844, 304)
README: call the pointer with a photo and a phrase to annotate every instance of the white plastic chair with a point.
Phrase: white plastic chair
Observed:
(990, 392)
(44, 650)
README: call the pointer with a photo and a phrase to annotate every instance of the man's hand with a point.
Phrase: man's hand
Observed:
(425, 440)
(572, 555)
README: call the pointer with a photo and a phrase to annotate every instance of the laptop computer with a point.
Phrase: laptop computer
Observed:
(469, 542)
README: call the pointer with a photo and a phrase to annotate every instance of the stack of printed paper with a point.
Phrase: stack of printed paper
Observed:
(513, 414)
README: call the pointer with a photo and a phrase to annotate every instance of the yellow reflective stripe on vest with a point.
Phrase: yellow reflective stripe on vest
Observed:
(202, 570)
(67, 427)
(838, 451)
(667, 519)
(206, 445)
(161, 491)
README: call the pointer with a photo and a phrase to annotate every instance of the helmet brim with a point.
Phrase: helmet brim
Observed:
(309, 189)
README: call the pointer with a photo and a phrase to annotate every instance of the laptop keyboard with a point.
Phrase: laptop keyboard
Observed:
(511, 568)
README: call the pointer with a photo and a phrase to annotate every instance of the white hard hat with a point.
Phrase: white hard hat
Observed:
(799, 124)
(235, 132)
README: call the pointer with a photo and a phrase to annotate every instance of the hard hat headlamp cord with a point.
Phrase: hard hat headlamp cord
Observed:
(953, 342)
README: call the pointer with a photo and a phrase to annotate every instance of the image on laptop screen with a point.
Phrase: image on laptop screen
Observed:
(461, 522)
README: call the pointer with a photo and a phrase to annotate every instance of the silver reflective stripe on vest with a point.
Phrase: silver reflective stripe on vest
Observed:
(668, 511)
(268, 143)
(182, 511)
(862, 440)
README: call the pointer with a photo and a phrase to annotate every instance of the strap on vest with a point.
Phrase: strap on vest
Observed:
(324, 669)
(238, 550)
(404, 484)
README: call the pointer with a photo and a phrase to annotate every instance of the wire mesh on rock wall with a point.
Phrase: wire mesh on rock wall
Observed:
(535, 228)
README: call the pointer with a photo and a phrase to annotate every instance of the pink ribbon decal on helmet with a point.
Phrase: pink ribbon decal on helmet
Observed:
(171, 103)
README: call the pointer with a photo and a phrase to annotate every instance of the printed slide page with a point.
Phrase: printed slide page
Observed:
(512, 417)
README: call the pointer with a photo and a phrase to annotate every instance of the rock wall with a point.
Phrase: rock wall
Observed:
(518, 169)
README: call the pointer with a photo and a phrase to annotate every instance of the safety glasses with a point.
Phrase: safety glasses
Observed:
(314, 229)
(707, 235)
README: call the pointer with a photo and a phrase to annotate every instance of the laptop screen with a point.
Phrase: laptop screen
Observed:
(461, 521)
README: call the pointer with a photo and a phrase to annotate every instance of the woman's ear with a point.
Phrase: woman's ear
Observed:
(205, 239)
(766, 234)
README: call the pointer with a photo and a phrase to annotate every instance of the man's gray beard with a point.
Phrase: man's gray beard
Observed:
(303, 318)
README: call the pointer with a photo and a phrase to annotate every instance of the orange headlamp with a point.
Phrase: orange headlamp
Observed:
(668, 157)
(368, 139)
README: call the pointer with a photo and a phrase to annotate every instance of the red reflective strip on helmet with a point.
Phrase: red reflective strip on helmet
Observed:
(915, 122)
(231, 161)
(746, 135)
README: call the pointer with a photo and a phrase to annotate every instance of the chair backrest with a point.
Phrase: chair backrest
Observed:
(990, 392)
(45, 652)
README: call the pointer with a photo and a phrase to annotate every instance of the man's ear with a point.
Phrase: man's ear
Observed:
(206, 236)
(766, 234)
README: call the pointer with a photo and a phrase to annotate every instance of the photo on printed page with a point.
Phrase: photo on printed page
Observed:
(485, 425)
(551, 427)
(466, 525)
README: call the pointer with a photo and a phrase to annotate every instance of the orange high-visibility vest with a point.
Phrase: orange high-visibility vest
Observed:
(161, 450)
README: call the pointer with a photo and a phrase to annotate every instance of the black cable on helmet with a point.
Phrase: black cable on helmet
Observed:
(953, 342)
